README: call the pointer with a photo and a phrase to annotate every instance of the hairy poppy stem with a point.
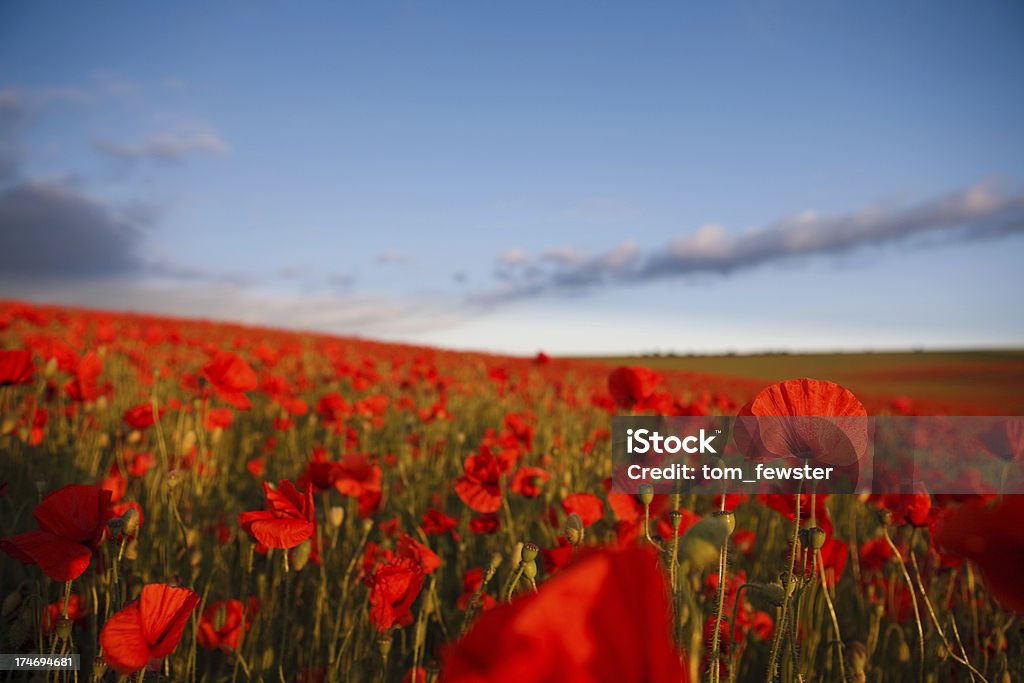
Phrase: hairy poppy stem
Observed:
(913, 601)
(773, 658)
(832, 612)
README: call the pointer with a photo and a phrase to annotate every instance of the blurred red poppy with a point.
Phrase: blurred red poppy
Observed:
(220, 627)
(589, 507)
(148, 628)
(527, 481)
(231, 377)
(410, 548)
(71, 521)
(15, 368)
(563, 632)
(287, 521)
(141, 416)
(480, 486)
(631, 385)
(992, 537)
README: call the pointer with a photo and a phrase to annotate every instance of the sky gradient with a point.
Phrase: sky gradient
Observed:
(574, 177)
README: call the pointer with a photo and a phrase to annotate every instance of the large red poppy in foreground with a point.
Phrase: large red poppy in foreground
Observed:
(71, 524)
(603, 620)
(148, 628)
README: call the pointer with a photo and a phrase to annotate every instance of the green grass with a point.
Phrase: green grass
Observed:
(978, 381)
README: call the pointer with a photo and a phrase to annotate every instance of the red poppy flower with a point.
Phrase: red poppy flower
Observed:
(992, 537)
(471, 582)
(588, 506)
(480, 486)
(410, 548)
(84, 386)
(631, 385)
(71, 522)
(231, 377)
(288, 519)
(562, 633)
(435, 522)
(487, 523)
(148, 628)
(141, 416)
(806, 419)
(220, 627)
(15, 368)
(77, 612)
(393, 588)
(527, 481)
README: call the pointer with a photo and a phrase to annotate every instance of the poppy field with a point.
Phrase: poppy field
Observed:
(183, 500)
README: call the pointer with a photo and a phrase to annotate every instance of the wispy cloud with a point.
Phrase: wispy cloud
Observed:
(168, 147)
(981, 210)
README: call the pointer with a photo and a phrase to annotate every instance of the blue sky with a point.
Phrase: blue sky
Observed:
(574, 176)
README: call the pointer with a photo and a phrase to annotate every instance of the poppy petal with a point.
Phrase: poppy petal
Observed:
(164, 611)
(59, 558)
(124, 646)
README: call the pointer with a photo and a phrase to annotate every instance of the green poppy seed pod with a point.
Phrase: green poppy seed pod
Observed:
(99, 668)
(530, 569)
(728, 517)
(703, 541)
(300, 555)
(645, 493)
(884, 517)
(574, 529)
(675, 518)
(116, 527)
(64, 628)
(131, 521)
(384, 643)
(816, 537)
(336, 516)
(529, 553)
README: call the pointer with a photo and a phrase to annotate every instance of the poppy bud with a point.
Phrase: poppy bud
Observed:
(645, 493)
(336, 516)
(8, 425)
(574, 529)
(131, 551)
(103, 440)
(300, 555)
(188, 441)
(131, 521)
(51, 368)
(11, 603)
(529, 552)
(704, 540)
(135, 437)
(773, 593)
(63, 628)
(41, 483)
(495, 562)
(101, 404)
(174, 478)
(728, 517)
(813, 537)
(530, 569)
(884, 516)
(116, 527)
(904, 652)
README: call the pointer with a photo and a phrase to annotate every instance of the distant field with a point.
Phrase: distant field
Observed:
(971, 380)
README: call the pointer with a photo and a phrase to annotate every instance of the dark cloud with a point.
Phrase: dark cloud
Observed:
(980, 211)
(52, 231)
